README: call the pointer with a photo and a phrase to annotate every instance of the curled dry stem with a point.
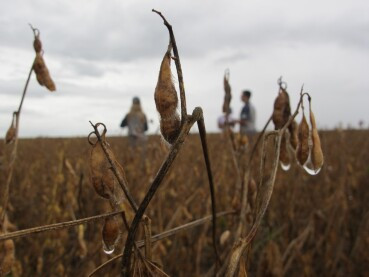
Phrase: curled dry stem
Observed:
(36, 32)
(178, 67)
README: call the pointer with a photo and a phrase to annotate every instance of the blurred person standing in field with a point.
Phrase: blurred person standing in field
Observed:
(137, 125)
(248, 115)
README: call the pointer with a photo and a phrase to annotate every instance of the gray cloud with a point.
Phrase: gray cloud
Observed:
(101, 54)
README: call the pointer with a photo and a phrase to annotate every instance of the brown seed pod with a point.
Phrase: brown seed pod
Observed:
(282, 109)
(302, 150)
(293, 128)
(224, 237)
(317, 158)
(251, 195)
(98, 168)
(284, 157)
(82, 246)
(42, 73)
(110, 232)
(170, 128)
(166, 101)
(11, 133)
(37, 45)
(227, 93)
(8, 259)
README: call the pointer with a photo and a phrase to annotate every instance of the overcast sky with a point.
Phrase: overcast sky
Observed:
(102, 53)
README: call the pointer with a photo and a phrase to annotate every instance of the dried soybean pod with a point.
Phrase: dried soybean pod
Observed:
(8, 258)
(227, 92)
(166, 98)
(11, 133)
(282, 109)
(293, 128)
(82, 246)
(284, 157)
(42, 73)
(302, 151)
(317, 158)
(39, 67)
(170, 128)
(224, 237)
(98, 166)
(251, 195)
(37, 44)
(108, 179)
(166, 101)
(110, 234)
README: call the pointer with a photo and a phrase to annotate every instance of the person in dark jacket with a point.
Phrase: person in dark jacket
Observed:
(136, 123)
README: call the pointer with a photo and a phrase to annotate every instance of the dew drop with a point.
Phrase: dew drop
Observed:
(285, 167)
(108, 250)
(308, 166)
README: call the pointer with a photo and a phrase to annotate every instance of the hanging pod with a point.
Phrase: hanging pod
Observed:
(317, 158)
(166, 101)
(302, 150)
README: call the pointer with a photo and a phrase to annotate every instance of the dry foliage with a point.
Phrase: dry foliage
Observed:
(336, 199)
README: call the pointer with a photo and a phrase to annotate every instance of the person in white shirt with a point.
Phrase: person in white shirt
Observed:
(226, 119)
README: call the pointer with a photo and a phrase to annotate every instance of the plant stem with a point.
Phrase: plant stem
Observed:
(55, 226)
(265, 193)
(126, 261)
(5, 191)
(202, 131)
(25, 90)
(166, 234)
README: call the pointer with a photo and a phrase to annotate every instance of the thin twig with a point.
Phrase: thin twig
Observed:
(25, 89)
(178, 67)
(147, 229)
(202, 131)
(5, 192)
(258, 139)
(55, 226)
(168, 233)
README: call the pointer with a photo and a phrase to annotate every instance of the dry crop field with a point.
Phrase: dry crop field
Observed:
(287, 202)
(314, 226)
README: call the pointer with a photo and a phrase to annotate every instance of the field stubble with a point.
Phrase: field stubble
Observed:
(313, 226)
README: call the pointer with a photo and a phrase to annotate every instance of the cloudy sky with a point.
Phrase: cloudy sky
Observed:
(102, 53)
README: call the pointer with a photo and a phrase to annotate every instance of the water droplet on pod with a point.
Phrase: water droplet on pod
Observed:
(310, 170)
(108, 250)
(285, 167)
(308, 166)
